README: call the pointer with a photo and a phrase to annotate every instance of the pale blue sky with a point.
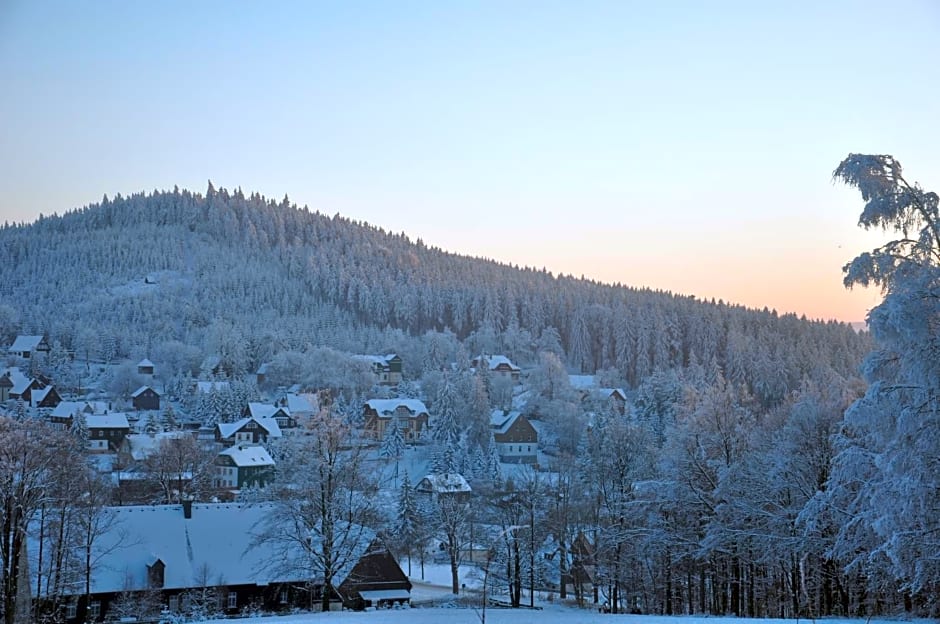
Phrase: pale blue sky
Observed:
(681, 146)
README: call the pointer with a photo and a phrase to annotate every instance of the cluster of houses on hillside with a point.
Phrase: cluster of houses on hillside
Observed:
(171, 545)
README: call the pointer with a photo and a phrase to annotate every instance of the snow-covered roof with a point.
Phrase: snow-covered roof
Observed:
(227, 430)
(218, 539)
(116, 420)
(139, 391)
(20, 383)
(447, 483)
(39, 394)
(381, 360)
(263, 410)
(66, 409)
(298, 404)
(96, 407)
(495, 361)
(244, 455)
(608, 392)
(143, 445)
(386, 407)
(263, 368)
(16, 376)
(145, 363)
(25, 343)
(502, 420)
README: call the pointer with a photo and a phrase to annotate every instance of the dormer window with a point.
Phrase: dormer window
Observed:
(156, 570)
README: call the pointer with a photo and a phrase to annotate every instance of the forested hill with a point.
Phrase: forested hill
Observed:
(245, 277)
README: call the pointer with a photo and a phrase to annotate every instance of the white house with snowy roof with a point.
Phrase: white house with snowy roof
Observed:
(436, 485)
(517, 441)
(498, 366)
(412, 416)
(27, 346)
(176, 550)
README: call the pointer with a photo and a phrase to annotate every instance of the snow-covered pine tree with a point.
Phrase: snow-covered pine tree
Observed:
(408, 522)
(884, 477)
(393, 443)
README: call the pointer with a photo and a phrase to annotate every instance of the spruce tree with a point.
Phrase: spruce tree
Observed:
(408, 523)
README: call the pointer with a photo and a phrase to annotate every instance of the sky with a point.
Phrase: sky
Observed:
(680, 146)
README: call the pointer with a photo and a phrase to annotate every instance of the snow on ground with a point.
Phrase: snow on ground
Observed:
(551, 614)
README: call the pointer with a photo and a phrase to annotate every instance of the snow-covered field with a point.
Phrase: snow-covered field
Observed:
(551, 614)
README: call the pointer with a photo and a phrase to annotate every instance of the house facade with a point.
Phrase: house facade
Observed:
(242, 466)
(146, 398)
(145, 368)
(46, 397)
(249, 430)
(412, 417)
(517, 441)
(498, 366)
(386, 368)
(106, 432)
(27, 346)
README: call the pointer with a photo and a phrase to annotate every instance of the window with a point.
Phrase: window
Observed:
(232, 600)
(94, 609)
(71, 610)
(283, 596)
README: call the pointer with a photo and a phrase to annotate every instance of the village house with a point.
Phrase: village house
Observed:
(106, 432)
(498, 366)
(412, 417)
(47, 397)
(12, 382)
(386, 368)
(301, 407)
(453, 484)
(27, 346)
(248, 430)
(62, 414)
(243, 465)
(261, 375)
(517, 441)
(145, 368)
(145, 398)
(586, 387)
(616, 398)
(23, 386)
(174, 552)
(280, 414)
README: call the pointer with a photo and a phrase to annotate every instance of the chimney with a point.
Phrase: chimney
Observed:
(188, 508)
